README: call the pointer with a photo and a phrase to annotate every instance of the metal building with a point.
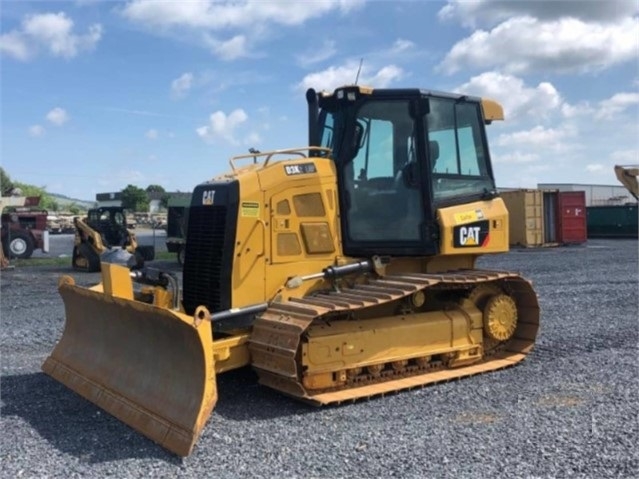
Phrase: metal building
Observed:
(596, 195)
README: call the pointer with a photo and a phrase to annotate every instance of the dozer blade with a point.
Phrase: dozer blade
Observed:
(148, 366)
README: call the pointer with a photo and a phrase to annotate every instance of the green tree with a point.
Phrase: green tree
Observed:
(155, 189)
(164, 201)
(135, 198)
(73, 209)
(49, 204)
(6, 185)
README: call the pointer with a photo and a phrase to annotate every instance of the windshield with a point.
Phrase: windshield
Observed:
(459, 158)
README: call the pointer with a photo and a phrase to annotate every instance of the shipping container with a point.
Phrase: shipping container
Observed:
(525, 212)
(613, 221)
(546, 218)
(572, 225)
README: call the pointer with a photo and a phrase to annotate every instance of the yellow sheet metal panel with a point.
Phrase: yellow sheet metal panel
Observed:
(231, 353)
(474, 228)
(492, 110)
(252, 240)
(526, 216)
(116, 280)
(390, 339)
(275, 200)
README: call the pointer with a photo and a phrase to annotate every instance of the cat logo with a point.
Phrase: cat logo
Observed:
(207, 197)
(469, 235)
(472, 235)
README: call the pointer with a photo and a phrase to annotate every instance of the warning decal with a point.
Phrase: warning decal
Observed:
(250, 209)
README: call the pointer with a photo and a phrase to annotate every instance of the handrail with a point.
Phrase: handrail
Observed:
(269, 154)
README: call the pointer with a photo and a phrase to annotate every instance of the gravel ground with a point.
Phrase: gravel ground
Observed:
(570, 409)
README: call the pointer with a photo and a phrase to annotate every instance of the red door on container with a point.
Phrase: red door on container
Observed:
(572, 217)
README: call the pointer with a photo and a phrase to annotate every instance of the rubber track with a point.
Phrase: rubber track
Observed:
(278, 332)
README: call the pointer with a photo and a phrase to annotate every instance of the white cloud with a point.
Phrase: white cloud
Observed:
(15, 45)
(491, 12)
(253, 139)
(346, 74)
(36, 130)
(625, 157)
(525, 44)
(58, 116)
(231, 49)
(385, 76)
(402, 45)
(238, 25)
(223, 126)
(51, 31)
(318, 54)
(180, 86)
(574, 111)
(594, 167)
(537, 138)
(519, 101)
(615, 105)
(515, 157)
(214, 15)
(152, 134)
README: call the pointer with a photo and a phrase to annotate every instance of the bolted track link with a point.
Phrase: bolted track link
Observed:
(278, 332)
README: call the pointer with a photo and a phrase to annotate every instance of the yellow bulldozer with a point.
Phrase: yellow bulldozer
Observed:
(342, 270)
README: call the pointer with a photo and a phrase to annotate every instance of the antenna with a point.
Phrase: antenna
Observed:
(361, 61)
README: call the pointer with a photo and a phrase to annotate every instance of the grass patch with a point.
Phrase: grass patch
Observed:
(22, 263)
(66, 261)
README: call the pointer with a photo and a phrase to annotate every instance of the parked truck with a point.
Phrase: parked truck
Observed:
(24, 230)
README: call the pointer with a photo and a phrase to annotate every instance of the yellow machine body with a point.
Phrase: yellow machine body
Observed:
(315, 322)
(628, 176)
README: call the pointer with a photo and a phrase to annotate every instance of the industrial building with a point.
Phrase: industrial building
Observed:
(596, 195)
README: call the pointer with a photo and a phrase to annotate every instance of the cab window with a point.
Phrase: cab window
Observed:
(459, 158)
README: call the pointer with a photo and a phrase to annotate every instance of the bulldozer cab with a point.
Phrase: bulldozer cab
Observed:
(111, 223)
(400, 155)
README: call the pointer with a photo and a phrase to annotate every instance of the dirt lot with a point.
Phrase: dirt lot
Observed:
(570, 409)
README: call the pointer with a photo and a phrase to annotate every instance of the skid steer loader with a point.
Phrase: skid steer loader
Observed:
(104, 235)
(341, 270)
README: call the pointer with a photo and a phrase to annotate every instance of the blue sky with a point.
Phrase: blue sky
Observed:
(98, 95)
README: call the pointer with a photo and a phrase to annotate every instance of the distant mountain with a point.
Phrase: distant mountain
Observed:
(65, 201)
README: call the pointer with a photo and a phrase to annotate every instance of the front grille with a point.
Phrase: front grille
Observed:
(207, 264)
